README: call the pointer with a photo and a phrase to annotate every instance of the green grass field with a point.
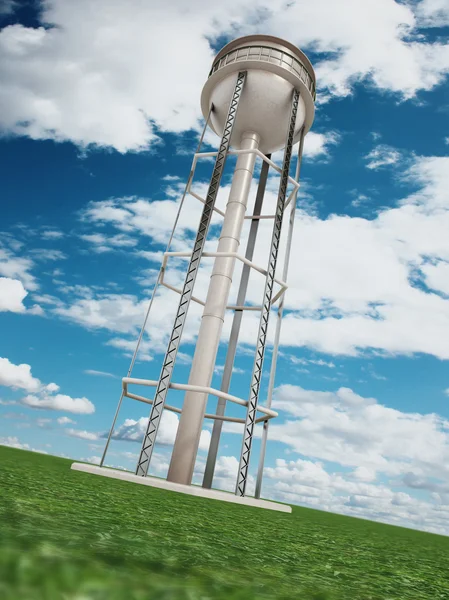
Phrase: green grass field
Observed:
(70, 535)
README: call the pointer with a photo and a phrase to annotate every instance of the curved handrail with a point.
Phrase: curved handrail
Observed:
(273, 55)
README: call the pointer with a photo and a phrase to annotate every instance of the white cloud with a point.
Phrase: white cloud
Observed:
(102, 243)
(364, 474)
(62, 85)
(316, 146)
(219, 369)
(12, 294)
(371, 452)
(47, 254)
(369, 40)
(82, 434)
(360, 200)
(14, 442)
(7, 7)
(120, 313)
(42, 396)
(433, 13)
(355, 286)
(52, 387)
(436, 276)
(51, 234)
(65, 420)
(133, 431)
(150, 218)
(81, 406)
(36, 310)
(382, 156)
(99, 373)
(353, 431)
(18, 376)
(14, 267)
(319, 144)
(308, 483)
(311, 361)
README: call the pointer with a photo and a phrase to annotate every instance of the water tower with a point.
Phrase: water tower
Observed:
(259, 98)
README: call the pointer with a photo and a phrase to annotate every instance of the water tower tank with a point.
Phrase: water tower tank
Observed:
(274, 68)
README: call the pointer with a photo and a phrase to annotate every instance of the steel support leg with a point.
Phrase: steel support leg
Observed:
(266, 307)
(280, 312)
(175, 338)
(153, 294)
(235, 330)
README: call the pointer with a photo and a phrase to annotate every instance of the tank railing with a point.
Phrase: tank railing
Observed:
(267, 412)
(295, 65)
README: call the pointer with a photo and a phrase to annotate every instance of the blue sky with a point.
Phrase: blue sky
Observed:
(97, 141)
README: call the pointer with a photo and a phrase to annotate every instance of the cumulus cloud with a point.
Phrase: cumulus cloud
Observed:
(12, 294)
(308, 483)
(358, 283)
(433, 13)
(82, 434)
(14, 442)
(14, 267)
(318, 145)
(62, 402)
(133, 431)
(65, 420)
(101, 243)
(361, 456)
(19, 377)
(90, 93)
(94, 460)
(382, 156)
(114, 312)
(47, 254)
(370, 40)
(51, 234)
(346, 428)
(7, 7)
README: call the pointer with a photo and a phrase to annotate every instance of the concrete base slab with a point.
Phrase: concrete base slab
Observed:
(180, 488)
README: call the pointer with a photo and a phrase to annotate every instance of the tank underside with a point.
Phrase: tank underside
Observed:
(264, 108)
(273, 70)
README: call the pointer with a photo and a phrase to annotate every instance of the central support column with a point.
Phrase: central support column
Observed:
(189, 431)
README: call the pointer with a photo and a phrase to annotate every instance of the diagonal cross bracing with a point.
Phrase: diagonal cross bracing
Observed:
(175, 338)
(242, 475)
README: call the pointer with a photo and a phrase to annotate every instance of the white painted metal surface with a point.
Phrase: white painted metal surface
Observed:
(189, 430)
(274, 68)
(198, 388)
(266, 78)
(181, 489)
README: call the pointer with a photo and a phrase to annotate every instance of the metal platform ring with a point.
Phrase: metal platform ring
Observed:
(270, 414)
(235, 255)
(255, 151)
(203, 201)
(294, 182)
(179, 410)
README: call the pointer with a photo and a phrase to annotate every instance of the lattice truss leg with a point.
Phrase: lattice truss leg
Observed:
(266, 308)
(186, 296)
